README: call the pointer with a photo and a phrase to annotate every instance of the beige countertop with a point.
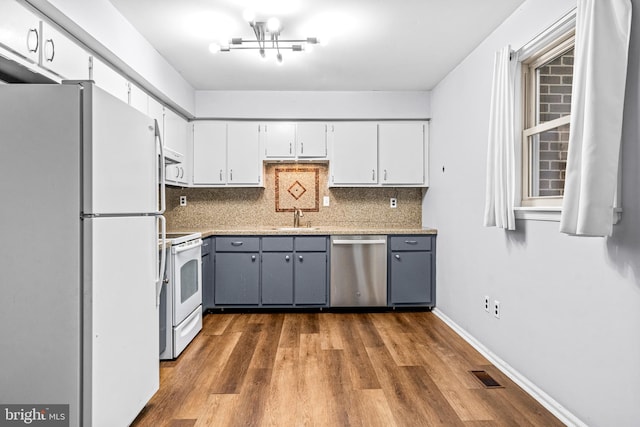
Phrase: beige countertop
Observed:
(321, 230)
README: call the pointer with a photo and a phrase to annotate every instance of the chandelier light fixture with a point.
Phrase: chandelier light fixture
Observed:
(267, 35)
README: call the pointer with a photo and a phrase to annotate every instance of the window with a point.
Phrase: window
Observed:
(547, 77)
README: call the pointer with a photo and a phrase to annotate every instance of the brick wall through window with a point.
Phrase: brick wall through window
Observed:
(555, 80)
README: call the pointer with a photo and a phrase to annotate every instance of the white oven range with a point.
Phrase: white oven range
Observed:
(181, 295)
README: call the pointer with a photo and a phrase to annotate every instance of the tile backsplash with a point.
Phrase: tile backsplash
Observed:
(208, 208)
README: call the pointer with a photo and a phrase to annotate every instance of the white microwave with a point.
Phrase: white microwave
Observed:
(174, 169)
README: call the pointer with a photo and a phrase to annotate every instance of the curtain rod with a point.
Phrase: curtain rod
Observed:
(555, 30)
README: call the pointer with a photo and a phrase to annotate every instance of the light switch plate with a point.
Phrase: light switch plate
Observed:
(325, 201)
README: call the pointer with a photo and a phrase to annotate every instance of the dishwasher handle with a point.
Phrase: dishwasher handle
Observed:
(360, 242)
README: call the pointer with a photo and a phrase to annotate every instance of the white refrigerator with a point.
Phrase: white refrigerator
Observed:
(80, 211)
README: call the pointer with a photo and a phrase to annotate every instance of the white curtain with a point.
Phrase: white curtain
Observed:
(500, 185)
(599, 77)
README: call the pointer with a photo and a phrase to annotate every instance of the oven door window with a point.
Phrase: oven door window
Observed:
(188, 280)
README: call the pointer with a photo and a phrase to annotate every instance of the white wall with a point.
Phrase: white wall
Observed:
(570, 307)
(301, 105)
(99, 25)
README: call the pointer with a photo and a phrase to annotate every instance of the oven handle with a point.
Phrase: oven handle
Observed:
(194, 244)
(160, 279)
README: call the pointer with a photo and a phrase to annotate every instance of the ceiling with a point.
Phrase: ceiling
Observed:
(370, 44)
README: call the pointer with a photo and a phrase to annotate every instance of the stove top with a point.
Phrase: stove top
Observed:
(177, 238)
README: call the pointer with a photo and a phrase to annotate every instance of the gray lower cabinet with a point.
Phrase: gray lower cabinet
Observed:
(310, 278)
(277, 278)
(282, 271)
(237, 271)
(207, 273)
(411, 270)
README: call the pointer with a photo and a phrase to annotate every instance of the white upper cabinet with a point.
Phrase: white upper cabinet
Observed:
(110, 80)
(175, 132)
(354, 154)
(209, 153)
(227, 154)
(401, 153)
(176, 136)
(279, 139)
(20, 31)
(284, 140)
(311, 140)
(62, 56)
(244, 164)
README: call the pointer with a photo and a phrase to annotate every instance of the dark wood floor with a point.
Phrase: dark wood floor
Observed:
(334, 369)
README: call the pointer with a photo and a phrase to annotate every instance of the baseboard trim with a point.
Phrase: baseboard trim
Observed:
(543, 398)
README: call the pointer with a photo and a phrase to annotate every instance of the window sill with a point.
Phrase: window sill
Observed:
(551, 213)
(538, 213)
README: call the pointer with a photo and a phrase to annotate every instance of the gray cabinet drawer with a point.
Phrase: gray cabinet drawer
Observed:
(310, 244)
(237, 244)
(277, 244)
(410, 243)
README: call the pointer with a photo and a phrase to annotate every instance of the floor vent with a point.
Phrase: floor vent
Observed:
(486, 379)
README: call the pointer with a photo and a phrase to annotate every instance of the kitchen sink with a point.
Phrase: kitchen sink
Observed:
(296, 228)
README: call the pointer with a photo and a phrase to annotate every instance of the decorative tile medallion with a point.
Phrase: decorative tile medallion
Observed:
(297, 188)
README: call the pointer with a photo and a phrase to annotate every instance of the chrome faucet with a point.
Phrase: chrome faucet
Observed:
(297, 213)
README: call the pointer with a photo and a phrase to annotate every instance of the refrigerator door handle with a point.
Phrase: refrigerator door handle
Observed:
(163, 258)
(163, 184)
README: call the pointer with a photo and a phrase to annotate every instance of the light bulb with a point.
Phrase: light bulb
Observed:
(249, 15)
(214, 48)
(273, 25)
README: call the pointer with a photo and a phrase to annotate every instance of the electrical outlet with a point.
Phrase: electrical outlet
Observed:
(393, 202)
(496, 309)
(183, 200)
(487, 304)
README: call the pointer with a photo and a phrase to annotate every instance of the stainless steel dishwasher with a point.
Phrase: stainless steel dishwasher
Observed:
(358, 271)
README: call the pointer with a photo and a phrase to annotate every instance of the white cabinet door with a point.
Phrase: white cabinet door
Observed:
(63, 56)
(244, 166)
(209, 153)
(175, 132)
(279, 139)
(311, 140)
(175, 138)
(110, 80)
(138, 99)
(354, 158)
(20, 30)
(401, 153)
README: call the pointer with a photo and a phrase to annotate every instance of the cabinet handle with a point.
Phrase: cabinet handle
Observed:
(181, 172)
(238, 243)
(411, 242)
(32, 32)
(287, 258)
(302, 148)
(300, 258)
(49, 42)
(290, 148)
(373, 174)
(397, 256)
(230, 174)
(385, 174)
(253, 257)
(220, 175)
